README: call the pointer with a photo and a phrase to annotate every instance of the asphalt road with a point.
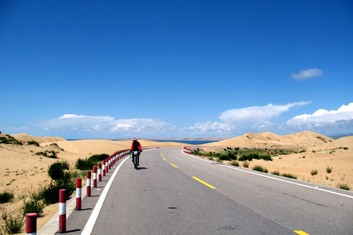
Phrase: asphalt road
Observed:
(173, 193)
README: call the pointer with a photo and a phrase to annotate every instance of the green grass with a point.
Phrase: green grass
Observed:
(13, 224)
(260, 168)
(229, 154)
(34, 205)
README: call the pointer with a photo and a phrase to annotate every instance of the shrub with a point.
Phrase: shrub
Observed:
(56, 170)
(251, 156)
(234, 163)
(34, 205)
(61, 180)
(98, 157)
(32, 142)
(343, 186)
(9, 140)
(314, 172)
(328, 169)
(288, 175)
(13, 224)
(224, 158)
(6, 197)
(50, 193)
(88, 163)
(83, 164)
(260, 168)
(246, 164)
(48, 154)
(275, 173)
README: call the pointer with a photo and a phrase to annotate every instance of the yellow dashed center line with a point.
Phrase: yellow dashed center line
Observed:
(204, 183)
(301, 232)
(173, 165)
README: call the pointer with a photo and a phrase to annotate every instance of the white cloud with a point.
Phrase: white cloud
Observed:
(257, 113)
(210, 126)
(233, 121)
(86, 123)
(307, 74)
(254, 118)
(326, 119)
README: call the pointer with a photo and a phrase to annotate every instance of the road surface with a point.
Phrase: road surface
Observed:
(173, 193)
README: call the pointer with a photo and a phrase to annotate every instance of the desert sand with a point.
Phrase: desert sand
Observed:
(317, 152)
(24, 172)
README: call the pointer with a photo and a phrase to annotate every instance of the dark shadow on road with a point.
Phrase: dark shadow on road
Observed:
(141, 168)
(70, 231)
(86, 209)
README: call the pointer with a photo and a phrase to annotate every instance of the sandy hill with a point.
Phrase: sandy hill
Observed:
(249, 140)
(106, 146)
(26, 137)
(341, 143)
(298, 140)
(307, 139)
(271, 136)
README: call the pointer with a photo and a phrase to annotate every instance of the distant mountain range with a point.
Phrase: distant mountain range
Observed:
(340, 136)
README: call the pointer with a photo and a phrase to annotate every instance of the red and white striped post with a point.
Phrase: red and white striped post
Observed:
(78, 194)
(103, 166)
(95, 177)
(99, 171)
(31, 223)
(62, 211)
(106, 165)
(89, 183)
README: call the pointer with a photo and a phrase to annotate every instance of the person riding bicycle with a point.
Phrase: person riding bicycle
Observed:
(135, 146)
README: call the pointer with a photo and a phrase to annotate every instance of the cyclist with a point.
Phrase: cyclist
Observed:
(135, 146)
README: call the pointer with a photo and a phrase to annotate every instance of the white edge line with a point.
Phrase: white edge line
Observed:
(92, 219)
(270, 177)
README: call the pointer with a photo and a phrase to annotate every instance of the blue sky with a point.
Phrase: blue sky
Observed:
(153, 69)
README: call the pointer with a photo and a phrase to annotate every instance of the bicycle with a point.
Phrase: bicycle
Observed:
(135, 158)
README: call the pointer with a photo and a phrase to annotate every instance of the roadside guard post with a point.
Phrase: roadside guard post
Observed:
(95, 177)
(103, 166)
(88, 187)
(31, 223)
(78, 193)
(99, 171)
(62, 211)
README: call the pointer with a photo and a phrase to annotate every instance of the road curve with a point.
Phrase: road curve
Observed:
(173, 193)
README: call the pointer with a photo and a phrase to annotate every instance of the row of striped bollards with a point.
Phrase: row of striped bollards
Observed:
(98, 172)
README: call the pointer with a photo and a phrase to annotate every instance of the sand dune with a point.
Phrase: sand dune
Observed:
(299, 140)
(341, 143)
(26, 137)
